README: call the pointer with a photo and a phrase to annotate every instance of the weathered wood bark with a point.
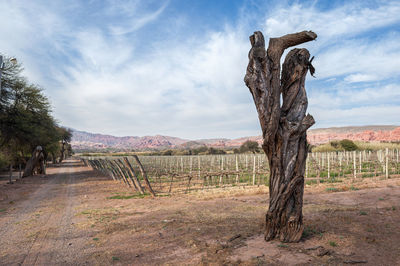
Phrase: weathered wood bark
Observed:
(283, 126)
(134, 176)
(35, 162)
(62, 152)
(147, 182)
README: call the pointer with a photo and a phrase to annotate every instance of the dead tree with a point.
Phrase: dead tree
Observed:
(283, 126)
(35, 162)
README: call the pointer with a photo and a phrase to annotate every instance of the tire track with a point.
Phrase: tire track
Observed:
(41, 231)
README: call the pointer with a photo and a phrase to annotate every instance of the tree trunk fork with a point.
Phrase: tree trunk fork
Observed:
(283, 126)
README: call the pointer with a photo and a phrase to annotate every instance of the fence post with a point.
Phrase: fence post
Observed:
(191, 163)
(11, 167)
(144, 175)
(387, 163)
(307, 160)
(354, 164)
(237, 170)
(329, 165)
(134, 178)
(254, 169)
(222, 169)
(199, 164)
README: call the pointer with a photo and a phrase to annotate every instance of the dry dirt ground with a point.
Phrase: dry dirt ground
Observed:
(75, 216)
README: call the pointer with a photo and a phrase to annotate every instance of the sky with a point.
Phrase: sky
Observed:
(176, 68)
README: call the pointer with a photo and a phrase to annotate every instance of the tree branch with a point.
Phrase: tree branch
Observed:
(263, 76)
(281, 43)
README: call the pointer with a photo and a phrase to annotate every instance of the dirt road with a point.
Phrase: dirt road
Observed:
(39, 229)
(74, 216)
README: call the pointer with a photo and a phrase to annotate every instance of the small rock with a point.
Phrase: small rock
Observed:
(354, 261)
(234, 237)
(323, 252)
(314, 248)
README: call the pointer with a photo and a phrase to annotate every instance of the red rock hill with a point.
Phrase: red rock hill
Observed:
(88, 141)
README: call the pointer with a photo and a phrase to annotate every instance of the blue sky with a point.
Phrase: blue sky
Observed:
(176, 67)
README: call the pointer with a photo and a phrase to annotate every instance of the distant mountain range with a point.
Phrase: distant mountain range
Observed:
(84, 141)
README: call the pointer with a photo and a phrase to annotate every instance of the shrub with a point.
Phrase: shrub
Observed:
(348, 145)
(249, 145)
(335, 144)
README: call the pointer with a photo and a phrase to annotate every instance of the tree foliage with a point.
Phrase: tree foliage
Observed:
(25, 118)
(348, 145)
(249, 146)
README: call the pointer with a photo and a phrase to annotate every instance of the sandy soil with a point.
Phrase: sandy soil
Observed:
(75, 216)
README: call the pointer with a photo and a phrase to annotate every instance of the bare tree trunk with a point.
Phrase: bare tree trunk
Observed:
(10, 177)
(53, 158)
(283, 126)
(62, 151)
(36, 161)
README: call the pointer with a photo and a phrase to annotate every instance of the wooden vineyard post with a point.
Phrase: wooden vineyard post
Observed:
(114, 171)
(258, 166)
(387, 163)
(397, 161)
(237, 169)
(354, 164)
(222, 169)
(124, 171)
(144, 175)
(134, 177)
(106, 169)
(329, 166)
(111, 171)
(199, 165)
(128, 173)
(254, 169)
(307, 162)
(182, 165)
(120, 173)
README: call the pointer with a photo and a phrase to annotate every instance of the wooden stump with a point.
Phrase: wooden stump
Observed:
(35, 162)
(283, 126)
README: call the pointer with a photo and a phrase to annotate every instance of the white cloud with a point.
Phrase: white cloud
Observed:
(116, 81)
(357, 116)
(360, 78)
(342, 47)
(136, 21)
(198, 84)
(349, 19)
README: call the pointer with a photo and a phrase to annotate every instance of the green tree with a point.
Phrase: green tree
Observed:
(249, 146)
(25, 118)
(348, 145)
(212, 150)
(65, 136)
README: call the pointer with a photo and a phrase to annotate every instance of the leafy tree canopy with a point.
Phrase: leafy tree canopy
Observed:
(25, 117)
(249, 146)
